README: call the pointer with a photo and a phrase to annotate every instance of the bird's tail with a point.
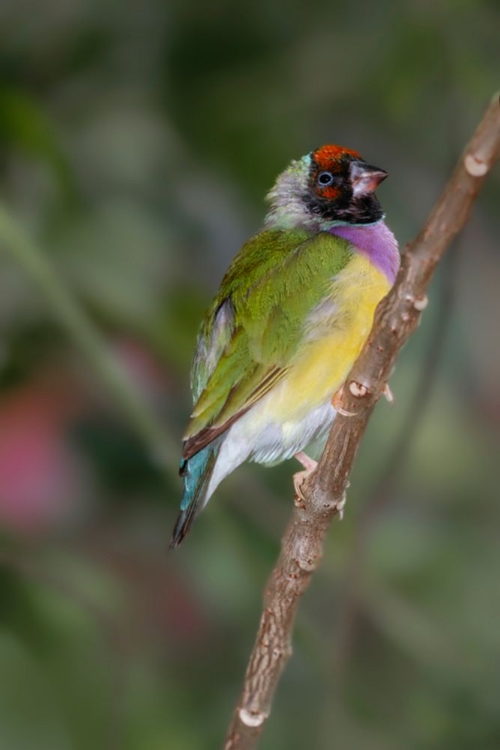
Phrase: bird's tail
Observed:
(196, 472)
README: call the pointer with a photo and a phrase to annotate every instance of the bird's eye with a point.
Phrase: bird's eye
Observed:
(325, 178)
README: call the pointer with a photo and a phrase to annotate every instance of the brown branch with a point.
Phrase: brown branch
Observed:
(350, 603)
(396, 318)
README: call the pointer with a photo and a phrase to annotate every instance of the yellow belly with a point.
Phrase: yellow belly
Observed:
(337, 333)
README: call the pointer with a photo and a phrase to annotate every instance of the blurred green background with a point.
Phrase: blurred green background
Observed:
(137, 141)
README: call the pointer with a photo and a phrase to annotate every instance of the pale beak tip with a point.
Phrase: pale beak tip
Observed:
(366, 179)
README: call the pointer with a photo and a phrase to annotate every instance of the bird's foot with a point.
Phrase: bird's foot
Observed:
(337, 403)
(299, 477)
(307, 462)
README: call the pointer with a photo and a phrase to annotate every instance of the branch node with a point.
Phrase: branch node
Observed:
(251, 718)
(308, 564)
(389, 395)
(420, 303)
(336, 505)
(340, 505)
(329, 505)
(358, 389)
(475, 166)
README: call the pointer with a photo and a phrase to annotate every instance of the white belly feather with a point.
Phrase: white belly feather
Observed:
(257, 437)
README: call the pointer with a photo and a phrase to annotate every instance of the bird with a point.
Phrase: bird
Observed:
(292, 313)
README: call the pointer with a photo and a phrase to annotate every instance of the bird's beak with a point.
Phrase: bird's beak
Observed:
(364, 178)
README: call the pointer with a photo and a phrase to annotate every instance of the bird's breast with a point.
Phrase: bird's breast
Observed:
(334, 333)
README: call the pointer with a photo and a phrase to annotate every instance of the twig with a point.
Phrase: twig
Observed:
(396, 318)
(350, 603)
(71, 316)
(385, 486)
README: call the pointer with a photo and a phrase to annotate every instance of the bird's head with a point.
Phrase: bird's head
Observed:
(332, 185)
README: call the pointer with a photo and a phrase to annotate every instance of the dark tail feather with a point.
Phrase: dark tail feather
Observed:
(182, 526)
(196, 471)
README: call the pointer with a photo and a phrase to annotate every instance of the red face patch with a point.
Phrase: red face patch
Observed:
(326, 154)
(330, 193)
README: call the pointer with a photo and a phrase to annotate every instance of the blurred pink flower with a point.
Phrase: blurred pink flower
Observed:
(40, 473)
(45, 481)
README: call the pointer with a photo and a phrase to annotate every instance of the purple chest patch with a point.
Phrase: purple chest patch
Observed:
(377, 242)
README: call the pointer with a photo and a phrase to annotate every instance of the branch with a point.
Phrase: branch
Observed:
(349, 605)
(396, 317)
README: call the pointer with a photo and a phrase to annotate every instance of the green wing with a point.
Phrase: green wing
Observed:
(255, 325)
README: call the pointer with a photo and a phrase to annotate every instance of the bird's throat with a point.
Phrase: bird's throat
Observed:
(376, 242)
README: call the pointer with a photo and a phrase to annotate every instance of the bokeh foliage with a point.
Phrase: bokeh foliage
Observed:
(137, 141)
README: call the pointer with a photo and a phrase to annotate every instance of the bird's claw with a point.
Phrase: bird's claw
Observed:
(299, 477)
(337, 403)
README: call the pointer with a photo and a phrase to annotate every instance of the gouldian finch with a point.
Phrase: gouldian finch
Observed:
(292, 314)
